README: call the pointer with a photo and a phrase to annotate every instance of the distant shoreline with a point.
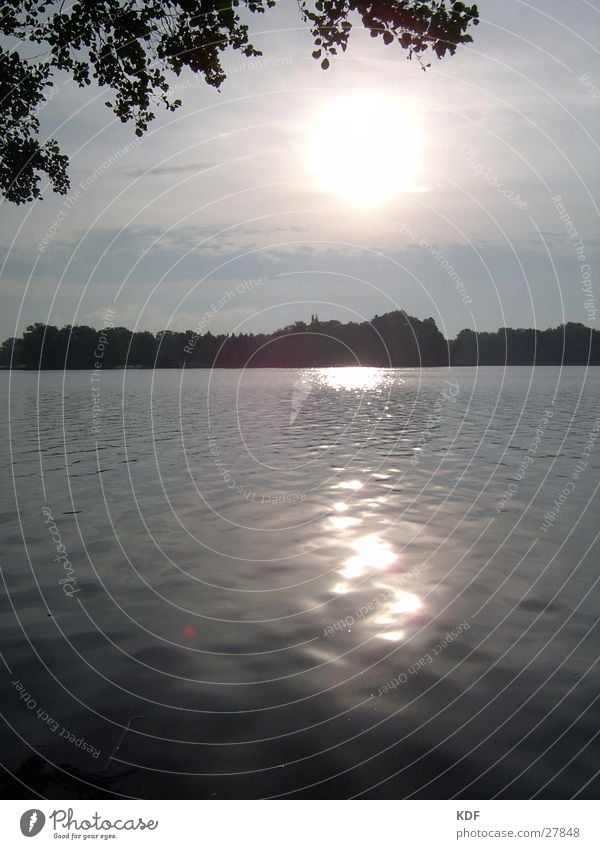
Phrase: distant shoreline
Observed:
(393, 340)
(296, 368)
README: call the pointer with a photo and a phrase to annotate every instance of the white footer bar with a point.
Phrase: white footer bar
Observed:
(298, 824)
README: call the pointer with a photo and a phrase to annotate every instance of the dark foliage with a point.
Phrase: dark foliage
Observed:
(569, 344)
(395, 339)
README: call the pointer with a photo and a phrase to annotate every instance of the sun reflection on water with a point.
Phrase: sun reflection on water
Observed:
(392, 636)
(401, 606)
(372, 553)
(353, 485)
(401, 603)
(373, 556)
(351, 377)
(340, 507)
(372, 566)
(342, 523)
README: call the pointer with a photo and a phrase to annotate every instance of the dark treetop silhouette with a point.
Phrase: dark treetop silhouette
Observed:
(131, 46)
(394, 339)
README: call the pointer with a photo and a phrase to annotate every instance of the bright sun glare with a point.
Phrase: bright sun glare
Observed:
(365, 148)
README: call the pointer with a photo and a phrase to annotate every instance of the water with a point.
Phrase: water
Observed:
(323, 583)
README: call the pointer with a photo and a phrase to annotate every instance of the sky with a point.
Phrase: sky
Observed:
(466, 192)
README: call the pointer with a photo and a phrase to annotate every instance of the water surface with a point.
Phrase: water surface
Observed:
(320, 583)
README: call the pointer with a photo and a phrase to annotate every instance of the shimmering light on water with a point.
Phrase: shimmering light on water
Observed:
(341, 523)
(352, 378)
(372, 553)
(392, 636)
(400, 606)
(405, 603)
(354, 484)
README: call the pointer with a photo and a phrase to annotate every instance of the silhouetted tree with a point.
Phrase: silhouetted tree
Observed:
(78, 344)
(130, 46)
(11, 353)
(143, 350)
(464, 348)
(42, 348)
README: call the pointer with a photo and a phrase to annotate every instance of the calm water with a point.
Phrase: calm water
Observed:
(324, 583)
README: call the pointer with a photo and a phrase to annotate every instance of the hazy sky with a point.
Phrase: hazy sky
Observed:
(224, 190)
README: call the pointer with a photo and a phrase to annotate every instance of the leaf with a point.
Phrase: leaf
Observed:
(325, 64)
(387, 37)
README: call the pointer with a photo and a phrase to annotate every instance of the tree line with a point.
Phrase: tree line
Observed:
(395, 339)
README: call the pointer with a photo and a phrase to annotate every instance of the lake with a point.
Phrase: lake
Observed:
(325, 583)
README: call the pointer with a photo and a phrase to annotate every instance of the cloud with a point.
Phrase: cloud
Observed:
(165, 170)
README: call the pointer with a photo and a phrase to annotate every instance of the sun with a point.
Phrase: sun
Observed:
(365, 148)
